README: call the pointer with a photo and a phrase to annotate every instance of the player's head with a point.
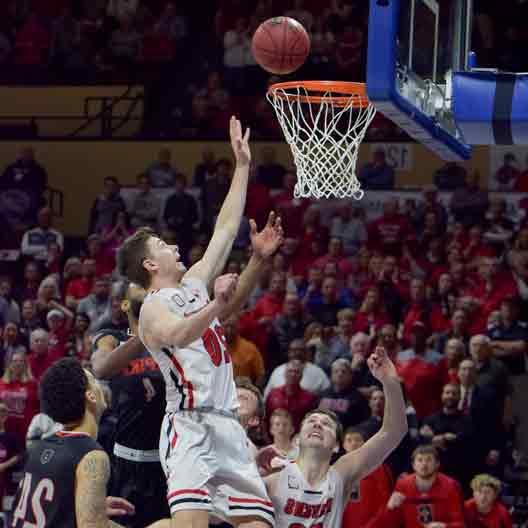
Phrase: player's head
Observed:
(251, 410)
(425, 461)
(68, 393)
(144, 256)
(353, 439)
(322, 430)
(485, 491)
(131, 304)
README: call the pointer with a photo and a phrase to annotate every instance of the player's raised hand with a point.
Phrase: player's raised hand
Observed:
(266, 242)
(239, 142)
(225, 287)
(381, 366)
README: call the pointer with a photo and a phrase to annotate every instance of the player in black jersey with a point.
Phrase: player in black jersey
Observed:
(65, 475)
(138, 402)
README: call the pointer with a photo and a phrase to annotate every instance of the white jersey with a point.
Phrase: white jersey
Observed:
(201, 374)
(297, 504)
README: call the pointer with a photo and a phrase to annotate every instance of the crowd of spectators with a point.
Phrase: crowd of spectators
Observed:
(195, 59)
(443, 288)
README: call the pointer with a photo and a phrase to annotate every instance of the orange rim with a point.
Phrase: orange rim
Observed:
(351, 93)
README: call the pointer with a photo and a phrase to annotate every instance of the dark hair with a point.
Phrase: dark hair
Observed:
(112, 179)
(243, 382)
(131, 255)
(333, 416)
(355, 430)
(425, 450)
(62, 391)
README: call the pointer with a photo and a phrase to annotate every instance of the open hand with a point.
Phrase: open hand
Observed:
(225, 287)
(266, 242)
(239, 142)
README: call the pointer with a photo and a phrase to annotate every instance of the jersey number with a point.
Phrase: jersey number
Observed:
(44, 490)
(214, 341)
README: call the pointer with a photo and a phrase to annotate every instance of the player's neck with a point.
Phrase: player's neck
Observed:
(312, 467)
(87, 425)
(167, 281)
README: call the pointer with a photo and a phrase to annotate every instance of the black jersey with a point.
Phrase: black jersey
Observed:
(46, 495)
(138, 400)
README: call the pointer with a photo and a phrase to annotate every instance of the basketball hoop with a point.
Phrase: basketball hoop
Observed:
(324, 122)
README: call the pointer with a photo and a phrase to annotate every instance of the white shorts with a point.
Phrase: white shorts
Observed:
(209, 466)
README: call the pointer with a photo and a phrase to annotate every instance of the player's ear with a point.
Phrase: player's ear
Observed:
(91, 398)
(149, 265)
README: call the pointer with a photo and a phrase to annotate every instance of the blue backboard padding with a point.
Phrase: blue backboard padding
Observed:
(381, 86)
(473, 100)
(476, 99)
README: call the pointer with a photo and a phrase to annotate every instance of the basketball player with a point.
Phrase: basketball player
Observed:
(66, 474)
(310, 493)
(138, 402)
(203, 447)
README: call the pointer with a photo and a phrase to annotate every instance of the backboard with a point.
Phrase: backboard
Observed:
(414, 46)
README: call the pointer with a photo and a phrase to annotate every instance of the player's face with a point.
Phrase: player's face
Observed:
(164, 258)
(318, 431)
(425, 466)
(247, 410)
(485, 497)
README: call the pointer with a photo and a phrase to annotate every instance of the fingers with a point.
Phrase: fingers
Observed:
(271, 219)
(253, 227)
(247, 134)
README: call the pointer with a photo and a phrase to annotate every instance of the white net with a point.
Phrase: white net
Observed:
(324, 138)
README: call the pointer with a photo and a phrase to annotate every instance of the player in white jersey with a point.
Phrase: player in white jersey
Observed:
(203, 447)
(309, 493)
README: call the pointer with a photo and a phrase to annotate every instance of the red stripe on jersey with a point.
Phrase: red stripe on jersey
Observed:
(66, 434)
(174, 439)
(188, 492)
(185, 382)
(251, 501)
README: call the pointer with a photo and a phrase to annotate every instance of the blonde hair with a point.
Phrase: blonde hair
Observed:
(486, 480)
(49, 280)
(26, 373)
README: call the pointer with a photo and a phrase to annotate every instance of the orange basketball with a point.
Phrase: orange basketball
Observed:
(280, 45)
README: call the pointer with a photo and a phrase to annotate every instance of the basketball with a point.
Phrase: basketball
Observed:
(280, 45)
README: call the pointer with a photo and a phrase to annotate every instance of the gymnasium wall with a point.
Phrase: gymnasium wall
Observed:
(78, 168)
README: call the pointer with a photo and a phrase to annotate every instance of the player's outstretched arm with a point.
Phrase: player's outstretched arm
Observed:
(357, 464)
(110, 358)
(161, 327)
(228, 221)
(264, 245)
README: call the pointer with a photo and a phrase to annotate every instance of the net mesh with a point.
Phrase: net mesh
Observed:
(324, 138)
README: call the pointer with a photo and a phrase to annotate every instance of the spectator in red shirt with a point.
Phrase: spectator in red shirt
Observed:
(60, 322)
(291, 396)
(291, 209)
(103, 264)
(335, 255)
(444, 302)
(82, 287)
(425, 498)
(389, 231)
(371, 315)
(418, 367)
(32, 43)
(259, 202)
(418, 309)
(454, 352)
(48, 293)
(39, 358)
(476, 247)
(18, 390)
(491, 288)
(369, 496)
(459, 329)
(484, 510)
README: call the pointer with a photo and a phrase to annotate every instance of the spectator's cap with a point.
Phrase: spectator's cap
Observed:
(55, 313)
(429, 189)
